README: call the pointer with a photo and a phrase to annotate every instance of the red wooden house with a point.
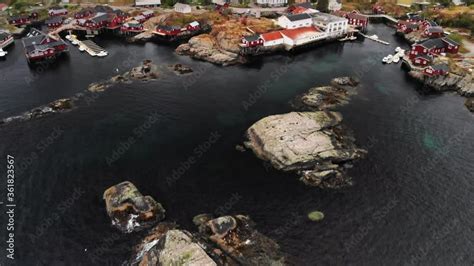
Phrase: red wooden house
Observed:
(414, 18)
(428, 23)
(96, 22)
(84, 13)
(193, 26)
(19, 20)
(251, 41)
(357, 19)
(39, 46)
(5, 39)
(435, 47)
(132, 26)
(148, 14)
(54, 22)
(434, 32)
(436, 70)
(377, 9)
(407, 26)
(140, 18)
(168, 30)
(422, 60)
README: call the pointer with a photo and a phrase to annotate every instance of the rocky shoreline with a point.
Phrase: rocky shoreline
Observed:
(203, 47)
(462, 84)
(224, 240)
(312, 142)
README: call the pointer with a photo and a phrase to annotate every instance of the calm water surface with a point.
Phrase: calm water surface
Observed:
(412, 199)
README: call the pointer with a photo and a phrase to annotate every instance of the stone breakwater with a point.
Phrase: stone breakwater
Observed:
(223, 240)
(313, 143)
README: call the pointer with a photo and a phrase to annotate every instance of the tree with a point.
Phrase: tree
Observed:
(323, 5)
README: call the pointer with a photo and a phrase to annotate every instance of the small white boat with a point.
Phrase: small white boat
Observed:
(75, 42)
(3, 53)
(81, 48)
(389, 59)
(68, 37)
(384, 60)
(396, 59)
(398, 49)
(102, 54)
(374, 37)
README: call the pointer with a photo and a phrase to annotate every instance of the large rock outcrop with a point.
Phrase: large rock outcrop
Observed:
(130, 210)
(173, 247)
(313, 143)
(204, 47)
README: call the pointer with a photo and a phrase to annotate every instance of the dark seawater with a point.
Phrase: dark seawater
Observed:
(412, 199)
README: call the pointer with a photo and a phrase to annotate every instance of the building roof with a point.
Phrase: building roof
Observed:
(103, 9)
(433, 43)
(304, 5)
(147, 12)
(450, 41)
(133, 23)
(194, 24)
(299, 10)
(17, 17)
(443, 67)
(435, 29)
(4, 35)
(252, 38)
(100, 17)
(299, 32)
(424, 56)
(34, 36)
(139, 17)
(298, 17)
(431, 23)
(57, 8)
(271, 36)
(358, 16)
(326, 18)
(54, 20)
(412, 25)
(339, 13)
(180, 5)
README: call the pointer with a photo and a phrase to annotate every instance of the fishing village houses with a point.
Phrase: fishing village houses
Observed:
(39, 46)
(354, 18)
(298, 30)
(6, 39)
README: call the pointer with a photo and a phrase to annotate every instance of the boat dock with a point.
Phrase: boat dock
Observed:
(92, 48)
(373, 38)
(89, 46)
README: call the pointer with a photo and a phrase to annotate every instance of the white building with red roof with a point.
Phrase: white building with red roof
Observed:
(272, 38)
(301, 36)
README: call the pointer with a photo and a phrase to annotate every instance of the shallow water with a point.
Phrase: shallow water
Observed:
(412, 198)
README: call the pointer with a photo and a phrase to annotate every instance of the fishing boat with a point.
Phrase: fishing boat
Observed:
(81, 48)
(3, 53)
(102, 54)
(396, 59)
(389, 59)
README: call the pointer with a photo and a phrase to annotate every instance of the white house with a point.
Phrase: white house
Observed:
(295, 21)
(147, 3)
(272, 2)
(182, 8)
(334, 26)
(334, 5)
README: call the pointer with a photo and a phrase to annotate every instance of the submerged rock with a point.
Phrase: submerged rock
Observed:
(181, 69)
(327, 97)
(238, 238)
(130, 210)
(316, 216)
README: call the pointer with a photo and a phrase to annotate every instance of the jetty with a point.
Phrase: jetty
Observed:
(92, 48)
(374, 38)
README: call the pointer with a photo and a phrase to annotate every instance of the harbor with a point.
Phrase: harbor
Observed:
(88, 46)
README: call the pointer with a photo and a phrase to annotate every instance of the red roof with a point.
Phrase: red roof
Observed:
(298, 32)
(299, 10)
(271, 36)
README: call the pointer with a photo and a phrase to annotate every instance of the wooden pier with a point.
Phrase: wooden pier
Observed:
(92, 48)
(374, 39)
